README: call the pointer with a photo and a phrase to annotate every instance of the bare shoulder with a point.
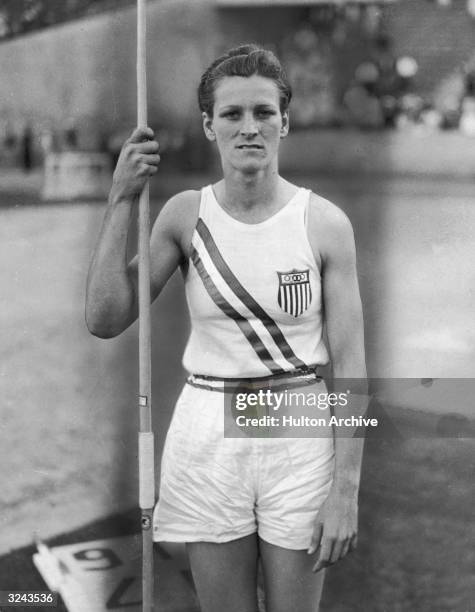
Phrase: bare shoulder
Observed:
(325, 216)
(329, 228)
(181, 210)
(177, 219)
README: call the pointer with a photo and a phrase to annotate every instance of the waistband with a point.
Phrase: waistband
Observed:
(299, 377)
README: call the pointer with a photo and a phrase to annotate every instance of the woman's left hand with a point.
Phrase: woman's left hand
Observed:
(336, 529)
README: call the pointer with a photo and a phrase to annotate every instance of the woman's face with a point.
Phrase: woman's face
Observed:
(247, 124)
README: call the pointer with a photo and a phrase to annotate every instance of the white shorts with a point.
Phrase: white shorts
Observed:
(216, 489)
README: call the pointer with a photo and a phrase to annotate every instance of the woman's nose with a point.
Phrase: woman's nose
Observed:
(249, 125)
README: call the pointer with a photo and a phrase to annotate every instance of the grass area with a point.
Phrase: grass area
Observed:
(416, 523)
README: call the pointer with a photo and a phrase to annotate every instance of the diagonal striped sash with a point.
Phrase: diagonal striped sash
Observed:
(243, 324)
(209, 249)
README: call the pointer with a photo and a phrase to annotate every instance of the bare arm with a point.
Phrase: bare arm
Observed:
(111, 299)
(344, 321)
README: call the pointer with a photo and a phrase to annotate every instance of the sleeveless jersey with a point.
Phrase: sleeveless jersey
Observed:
(254, 293)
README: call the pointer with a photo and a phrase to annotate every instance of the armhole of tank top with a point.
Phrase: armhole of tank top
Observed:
(305, 220)
(203, 198)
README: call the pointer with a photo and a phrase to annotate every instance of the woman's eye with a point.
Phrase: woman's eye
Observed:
(232, 114)
(264, 113)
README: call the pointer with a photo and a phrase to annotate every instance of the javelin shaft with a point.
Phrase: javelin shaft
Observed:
(143, 234)
(146, 450)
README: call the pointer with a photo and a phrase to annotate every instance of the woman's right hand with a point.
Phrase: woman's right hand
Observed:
(138, 161)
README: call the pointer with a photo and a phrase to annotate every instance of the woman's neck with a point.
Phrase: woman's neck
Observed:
(252, 197)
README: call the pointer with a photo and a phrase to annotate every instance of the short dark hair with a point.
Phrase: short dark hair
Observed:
(245, 61)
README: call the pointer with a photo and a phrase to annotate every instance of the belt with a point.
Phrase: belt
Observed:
(286, 380)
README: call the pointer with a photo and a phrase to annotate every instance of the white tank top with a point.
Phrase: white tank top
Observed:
(254, 293)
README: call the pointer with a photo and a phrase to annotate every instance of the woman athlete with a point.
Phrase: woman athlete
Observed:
(266, 264)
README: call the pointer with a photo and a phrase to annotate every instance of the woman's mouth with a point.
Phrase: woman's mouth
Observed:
(249, 146)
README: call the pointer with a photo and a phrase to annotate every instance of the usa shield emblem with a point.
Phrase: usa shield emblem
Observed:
(295, 292)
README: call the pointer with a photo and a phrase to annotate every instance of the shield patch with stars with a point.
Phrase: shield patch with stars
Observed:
(295, 292)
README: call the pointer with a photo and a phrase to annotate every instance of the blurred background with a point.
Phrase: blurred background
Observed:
(383, 124)
(394, 71)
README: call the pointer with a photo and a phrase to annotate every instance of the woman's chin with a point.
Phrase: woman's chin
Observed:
(251, 166)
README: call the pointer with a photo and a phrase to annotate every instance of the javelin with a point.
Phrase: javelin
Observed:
(146, 444)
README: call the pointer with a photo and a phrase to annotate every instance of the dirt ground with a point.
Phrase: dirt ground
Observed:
(68, 413)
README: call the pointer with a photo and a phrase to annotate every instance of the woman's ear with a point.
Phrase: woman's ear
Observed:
(208, 126)
(284, 130)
